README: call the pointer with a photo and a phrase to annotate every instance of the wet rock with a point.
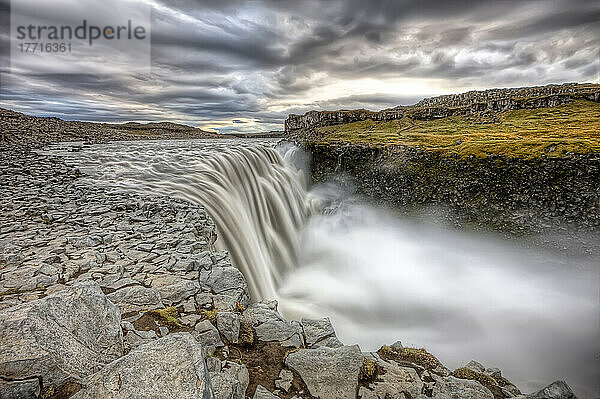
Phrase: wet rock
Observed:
(328, 373)
(169, 367)
(69, 334)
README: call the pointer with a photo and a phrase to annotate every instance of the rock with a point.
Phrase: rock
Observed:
(169, 367)
(556, 390)
(231, 382)
(475, 366)
(397, 346)
(69, 334)
(136, 298)
(226, 280)
(328, 373)
(455, 388)
(228, 324)
(25, 389)
(316, 330)
(263, 393)
(396, 380)
(208, 336)
(174, 289)
(285, 380)
(270, 326)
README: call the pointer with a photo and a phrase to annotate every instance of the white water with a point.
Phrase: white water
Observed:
(379, 277)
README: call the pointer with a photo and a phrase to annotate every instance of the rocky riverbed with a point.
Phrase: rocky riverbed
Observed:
(119, 295)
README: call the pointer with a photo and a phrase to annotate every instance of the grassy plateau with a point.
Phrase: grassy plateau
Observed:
(526, 133)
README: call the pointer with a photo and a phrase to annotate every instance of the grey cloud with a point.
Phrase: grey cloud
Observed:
(231, 59)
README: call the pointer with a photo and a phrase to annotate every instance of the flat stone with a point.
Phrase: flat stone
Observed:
(328, 373)
(136, 298)
(316, 330)
(455, 388)
(263, 393)
(285, 380)
(169, 367)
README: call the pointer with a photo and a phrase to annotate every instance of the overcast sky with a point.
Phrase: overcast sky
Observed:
(244, 65)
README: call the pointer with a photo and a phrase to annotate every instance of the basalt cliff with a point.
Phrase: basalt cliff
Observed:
(516, 160)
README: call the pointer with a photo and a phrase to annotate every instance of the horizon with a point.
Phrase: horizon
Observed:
(239, 67)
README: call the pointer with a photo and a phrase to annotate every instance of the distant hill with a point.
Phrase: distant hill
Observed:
(17, 128)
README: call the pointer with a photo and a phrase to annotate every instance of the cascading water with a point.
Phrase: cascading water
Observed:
(379, 277)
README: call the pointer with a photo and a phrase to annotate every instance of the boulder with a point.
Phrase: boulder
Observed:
(328, 373)
(169, 367)
(69, 334)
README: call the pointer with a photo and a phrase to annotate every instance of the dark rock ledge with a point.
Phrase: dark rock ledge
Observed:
(124, 296)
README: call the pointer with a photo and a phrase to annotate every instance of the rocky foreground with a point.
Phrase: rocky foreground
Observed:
(118, 295)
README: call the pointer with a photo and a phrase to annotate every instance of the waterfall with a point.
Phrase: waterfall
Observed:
(259, 204)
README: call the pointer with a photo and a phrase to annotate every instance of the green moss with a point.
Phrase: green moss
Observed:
(210, 315)
(246, 337)
(169, 315)
(417, 356)
(368, 371)
(525, 133)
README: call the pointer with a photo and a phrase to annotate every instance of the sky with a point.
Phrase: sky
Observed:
(243, 66)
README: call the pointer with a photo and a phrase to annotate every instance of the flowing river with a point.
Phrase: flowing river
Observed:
(379, 276)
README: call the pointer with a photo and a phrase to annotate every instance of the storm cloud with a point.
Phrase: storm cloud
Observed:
(243, 66)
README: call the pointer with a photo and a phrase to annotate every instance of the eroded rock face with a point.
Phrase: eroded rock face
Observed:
(328, 373)
(70, 334)
(169, 367)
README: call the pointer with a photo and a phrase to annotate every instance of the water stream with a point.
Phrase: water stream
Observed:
(378, 276)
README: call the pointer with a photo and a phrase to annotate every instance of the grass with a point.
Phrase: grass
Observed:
(417, 356)
(525, 133)
(484, 379)
(168, 315)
